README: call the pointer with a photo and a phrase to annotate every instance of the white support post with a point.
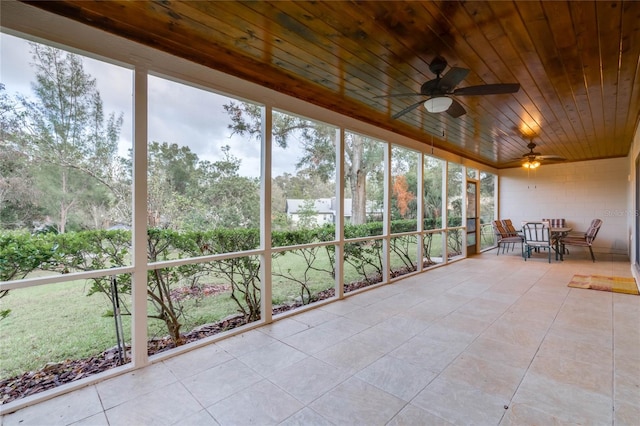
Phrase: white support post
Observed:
(266, 290)
(386, 224)
(420, 212)
(445, 212)
(339, 214)
(139, 280)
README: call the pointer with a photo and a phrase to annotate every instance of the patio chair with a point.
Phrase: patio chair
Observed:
(537, 236)
(583, 240)
(503, 237)
(508, 225)
(557, 223)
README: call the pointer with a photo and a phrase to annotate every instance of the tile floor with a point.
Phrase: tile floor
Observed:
(490, 340)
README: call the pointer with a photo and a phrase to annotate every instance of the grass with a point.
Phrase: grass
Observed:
(56, 322)
(52, 323)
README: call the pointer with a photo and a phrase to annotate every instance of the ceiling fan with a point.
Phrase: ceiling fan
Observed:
(441, 90)
(532, 159)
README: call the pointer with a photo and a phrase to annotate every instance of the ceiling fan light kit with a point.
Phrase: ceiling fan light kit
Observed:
(439, 104)
(531, 164)
(533, 160)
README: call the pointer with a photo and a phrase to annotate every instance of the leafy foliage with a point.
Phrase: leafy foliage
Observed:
(65, 134)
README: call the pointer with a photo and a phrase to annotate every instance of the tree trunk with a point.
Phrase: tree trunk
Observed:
(358, 183)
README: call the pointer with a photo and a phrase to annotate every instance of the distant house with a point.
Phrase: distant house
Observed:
(326, 209)
(323, 207)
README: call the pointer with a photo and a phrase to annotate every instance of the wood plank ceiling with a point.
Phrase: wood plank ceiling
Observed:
(577, 63)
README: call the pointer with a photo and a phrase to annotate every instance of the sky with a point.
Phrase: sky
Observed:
(178, 113)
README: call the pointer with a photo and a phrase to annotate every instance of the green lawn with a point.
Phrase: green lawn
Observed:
(55, 322)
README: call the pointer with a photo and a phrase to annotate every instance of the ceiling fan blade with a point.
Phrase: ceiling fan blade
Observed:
(456, 110)
(452, 78)
(398, 95)
(552, 158)
(407, 109)
(488, 89)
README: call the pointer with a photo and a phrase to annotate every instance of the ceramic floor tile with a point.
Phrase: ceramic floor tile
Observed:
(306, 417)
(164, 406)
(440, 332)
(428, 353)
(397, 377)
(460, 404)
(501, 295)
(376, 294)
(309, 379)
(99, 419)
(627, 343)
(493, 378)
(350, 355)
(408, 326)
(342, 307)
(412, 415)
(426, 312)
(219, 382)
(271, 358)
(246, 342)
(355, 402)
(522, 414)
(463, 323)
(197, 360)
(579, 334)
(283, 328)
(383, 339)
(556, 345)
(134, 384)
(483, 309)
(263, 403)
(315, 317)
(518, 334)
(200, 418)
(566, 402)
(626, 387)
(499, 351)
(61, 410)
(311, 341)
(626, 413)
(342, 328)
(369, 316)
(399, 302)
(473, 287)
(594, 376)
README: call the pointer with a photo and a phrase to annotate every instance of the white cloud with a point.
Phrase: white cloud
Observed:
(178, 113)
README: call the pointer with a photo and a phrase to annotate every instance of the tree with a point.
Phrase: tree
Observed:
(192, 194)
(362, 155)
(172, 183)
(307, 214)
(433, 190)
(402, 195)
(17, 194)
(232, 200)
(65, 129)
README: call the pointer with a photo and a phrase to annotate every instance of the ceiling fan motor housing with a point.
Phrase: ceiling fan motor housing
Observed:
(437, 65)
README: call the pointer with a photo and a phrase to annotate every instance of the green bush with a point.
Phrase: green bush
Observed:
(22, 253)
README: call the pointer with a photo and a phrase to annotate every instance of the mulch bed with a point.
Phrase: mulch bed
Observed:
(55, 374)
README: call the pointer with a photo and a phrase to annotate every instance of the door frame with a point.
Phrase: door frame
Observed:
(475, 209)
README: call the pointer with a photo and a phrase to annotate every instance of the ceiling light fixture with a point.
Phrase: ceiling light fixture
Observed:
(438, 104)
(531, 164)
